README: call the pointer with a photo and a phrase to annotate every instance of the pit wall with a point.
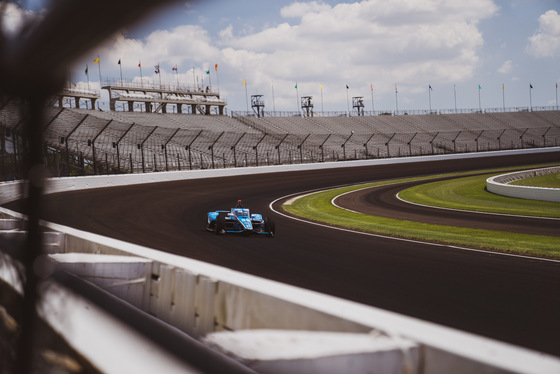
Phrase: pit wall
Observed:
(201, 299)
(500, 185)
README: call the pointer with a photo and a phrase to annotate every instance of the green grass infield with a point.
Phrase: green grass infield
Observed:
(318, 207)
(549, 180)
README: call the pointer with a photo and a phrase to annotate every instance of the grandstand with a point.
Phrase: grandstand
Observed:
(79, 141)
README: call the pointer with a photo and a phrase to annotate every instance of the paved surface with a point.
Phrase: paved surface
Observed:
(382, 201)
(507, 298)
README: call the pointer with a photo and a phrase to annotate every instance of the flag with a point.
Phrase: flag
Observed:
(157, 68)
(86, 70)
(430, 87)
(503, 87)
(371, 86)
(347, 87)
(216, 67)
(244, 83)
(96, 61)
(174, 68)
(321, 86)
(139, 64)
(295, 86)
(119, 61)
(396, 91)
(208, 71)
(530, 85)
(479, 87)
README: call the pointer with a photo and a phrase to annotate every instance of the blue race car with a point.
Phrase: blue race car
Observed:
(239, 220)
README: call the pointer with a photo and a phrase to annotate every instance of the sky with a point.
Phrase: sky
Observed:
(388, 52)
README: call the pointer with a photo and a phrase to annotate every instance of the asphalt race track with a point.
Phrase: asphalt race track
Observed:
(508, 298)
(382, 201)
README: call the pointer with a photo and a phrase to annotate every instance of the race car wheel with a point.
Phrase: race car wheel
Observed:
(270, 226)
(220, 224)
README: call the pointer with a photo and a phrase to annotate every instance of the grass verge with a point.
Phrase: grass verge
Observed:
(549, 180)
(317, 207)
(469, 193)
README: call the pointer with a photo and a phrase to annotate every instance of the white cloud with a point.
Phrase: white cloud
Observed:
(546, 41)
(13, 18)
(407, 42)
(506, 67)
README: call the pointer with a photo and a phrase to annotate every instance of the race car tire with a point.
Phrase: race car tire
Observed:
(270, 226)
(220, 224)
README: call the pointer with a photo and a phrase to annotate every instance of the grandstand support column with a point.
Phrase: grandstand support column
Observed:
(432, 141)
(499, 139)
(189, 146)
(180, 108)
(77, 102)
(455, 143)
(141, 147)
(211, 148)
(277, 147)
(322, 147)
(130, 106)
(410, 144)
(207, 109)
(193, 108)
(256, 149)
(93, 101)
(233, 148)
(221, 110)
(543, 136)
(300, 147)
(164, 147)
(366, 145)
(116, 145)
(68, 148)
(95, 168)
(344, 145)
(387, 144)
(476, 139)
(521, 138)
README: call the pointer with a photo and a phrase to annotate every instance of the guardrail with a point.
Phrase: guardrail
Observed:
(499, 185)
(211, 302)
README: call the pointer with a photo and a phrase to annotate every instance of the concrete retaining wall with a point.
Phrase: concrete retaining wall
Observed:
(499, 185)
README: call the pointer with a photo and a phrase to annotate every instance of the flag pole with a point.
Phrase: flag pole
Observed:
(530, 98)
(246, 96)
(297, 101)
(193, 80)
(87, 75)
(322, 109)
(479, 104)
(159, 75)
(217, 77)
(141, 78)
(556, 96)
(120, 68)
(372, 106)
(347, 100)
(504, 97)
(430, 97)
(455, 97)
(396, 100)
(273, 105)
(99, 66)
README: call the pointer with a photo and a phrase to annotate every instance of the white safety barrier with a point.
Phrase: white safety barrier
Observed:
(500, 185)
(212, 302)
